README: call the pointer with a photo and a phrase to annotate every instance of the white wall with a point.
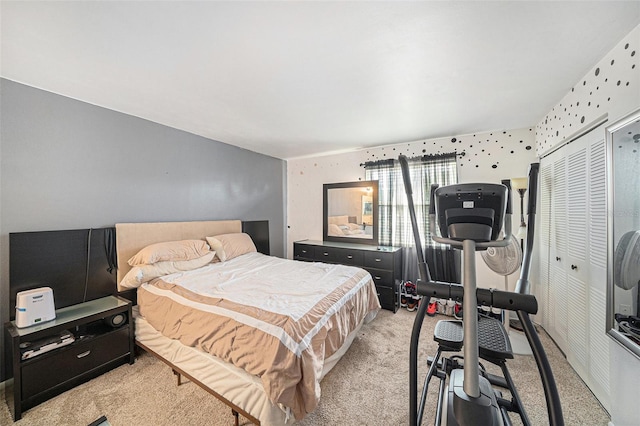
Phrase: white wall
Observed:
(611, 87)
(488, 157)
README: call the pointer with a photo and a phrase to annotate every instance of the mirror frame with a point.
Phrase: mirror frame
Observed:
(325, 210)
(611, 130)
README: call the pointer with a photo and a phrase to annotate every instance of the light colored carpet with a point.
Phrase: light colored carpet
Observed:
(369, 386)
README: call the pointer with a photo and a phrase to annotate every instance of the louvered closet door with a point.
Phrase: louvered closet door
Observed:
(597, 270)
(558, 286)
(577, 204)
(575, 175)
(546, 307)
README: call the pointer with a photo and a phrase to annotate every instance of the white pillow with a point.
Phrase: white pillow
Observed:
(170, 251)
(145, 273)
(228, 246)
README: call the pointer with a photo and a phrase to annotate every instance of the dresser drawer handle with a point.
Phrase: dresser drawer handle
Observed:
(377, 278)
(378, 260)
(83, 354)
(304, 251)
(349, 257)
(325, 254)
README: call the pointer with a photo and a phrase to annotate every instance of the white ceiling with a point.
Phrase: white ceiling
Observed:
(291, 79)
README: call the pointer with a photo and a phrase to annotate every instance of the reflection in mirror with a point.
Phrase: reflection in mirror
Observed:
(350, 212)
(623, 144)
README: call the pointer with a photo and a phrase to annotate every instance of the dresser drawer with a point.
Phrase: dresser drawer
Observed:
(388, 297)
(348, 257)
(325, 254)
(379, 260)
(301, 251)
(381, 277)
(68, 363)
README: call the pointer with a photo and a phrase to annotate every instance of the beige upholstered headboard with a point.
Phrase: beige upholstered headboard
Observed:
(132, 237)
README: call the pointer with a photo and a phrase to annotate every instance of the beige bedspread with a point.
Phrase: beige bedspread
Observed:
(275, 318)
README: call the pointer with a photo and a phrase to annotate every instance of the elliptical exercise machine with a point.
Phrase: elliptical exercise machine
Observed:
(470, 217)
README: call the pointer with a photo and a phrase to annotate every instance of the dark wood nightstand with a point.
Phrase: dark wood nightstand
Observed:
(99, 346)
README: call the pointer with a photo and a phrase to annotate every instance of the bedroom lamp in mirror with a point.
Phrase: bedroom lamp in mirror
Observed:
(623, 160)
(351, 212)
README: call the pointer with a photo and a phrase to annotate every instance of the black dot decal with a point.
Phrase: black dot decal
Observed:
(597, 71)
(453, 140)
(626, 46)
(528, 147)
(582, 119)
(633, 53)
(495, 166)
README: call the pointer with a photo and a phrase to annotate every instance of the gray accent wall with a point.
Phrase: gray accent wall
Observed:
(67, 164)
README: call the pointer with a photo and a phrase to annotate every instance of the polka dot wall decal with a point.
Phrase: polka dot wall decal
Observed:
(528, 147)
(597, 71)
(495, 166)
(453, 140)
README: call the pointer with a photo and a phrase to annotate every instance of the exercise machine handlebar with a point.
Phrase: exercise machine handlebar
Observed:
(485, 296)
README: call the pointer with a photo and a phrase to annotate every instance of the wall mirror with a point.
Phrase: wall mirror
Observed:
(351, 212)
(623, 160)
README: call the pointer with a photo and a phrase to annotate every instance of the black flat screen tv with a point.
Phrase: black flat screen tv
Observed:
(79, 265)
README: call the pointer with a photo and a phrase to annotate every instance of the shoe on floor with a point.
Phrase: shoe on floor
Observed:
(432, 308)
(412, 304)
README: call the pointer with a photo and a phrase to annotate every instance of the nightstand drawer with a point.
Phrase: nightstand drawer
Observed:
(378, 260)
(68, 363)
(381, 277)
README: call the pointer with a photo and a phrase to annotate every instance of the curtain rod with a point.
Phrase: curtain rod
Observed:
(427, 157)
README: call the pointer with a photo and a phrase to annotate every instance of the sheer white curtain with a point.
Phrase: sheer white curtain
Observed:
(394, 222)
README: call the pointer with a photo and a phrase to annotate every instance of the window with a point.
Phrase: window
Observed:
(394, 221)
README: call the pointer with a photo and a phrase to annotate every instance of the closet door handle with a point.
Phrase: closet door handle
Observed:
(574, 267)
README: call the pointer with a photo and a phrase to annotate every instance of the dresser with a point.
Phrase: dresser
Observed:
(382, 262)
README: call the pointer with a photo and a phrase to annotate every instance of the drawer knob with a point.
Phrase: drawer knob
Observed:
(83, 354)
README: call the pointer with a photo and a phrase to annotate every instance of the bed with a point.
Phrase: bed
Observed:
(207, 319)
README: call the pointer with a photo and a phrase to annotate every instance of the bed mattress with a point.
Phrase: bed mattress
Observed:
(278, 320)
